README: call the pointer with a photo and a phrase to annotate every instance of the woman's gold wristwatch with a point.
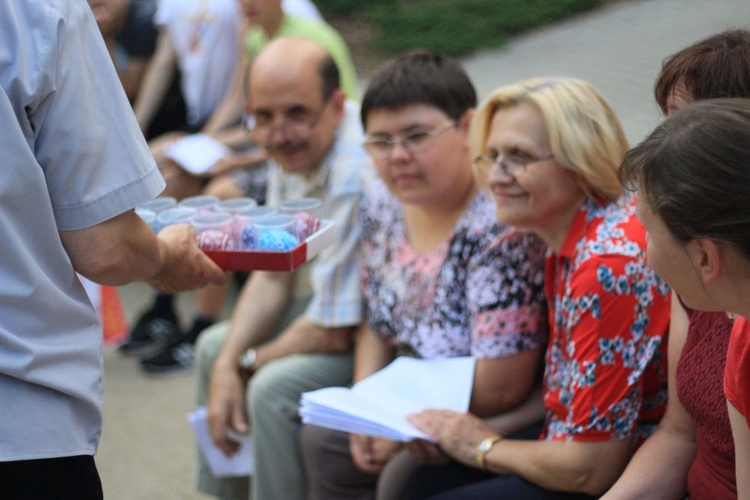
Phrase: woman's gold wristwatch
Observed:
(484, 447)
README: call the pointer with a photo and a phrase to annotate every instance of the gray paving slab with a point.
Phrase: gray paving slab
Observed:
(618, 48)
(147, 448)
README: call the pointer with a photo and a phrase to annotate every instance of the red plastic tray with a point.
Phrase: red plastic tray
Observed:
(251, 260)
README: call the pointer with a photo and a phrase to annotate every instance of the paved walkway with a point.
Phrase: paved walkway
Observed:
(146, 450)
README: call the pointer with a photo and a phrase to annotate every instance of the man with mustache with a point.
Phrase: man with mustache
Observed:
(290, 332)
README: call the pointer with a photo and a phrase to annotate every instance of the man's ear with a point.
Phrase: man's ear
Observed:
(706, 257)
(338, 99)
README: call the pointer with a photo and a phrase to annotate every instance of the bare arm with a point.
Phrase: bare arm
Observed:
(259, 307)
(229, 110)
(527, 413)
(501, 384)
(235, 137)
(258, 310)
(156, 81)
(371, 354)
(573, 466)
(125, 249)
(741, 434)
(132, 75)
(304, 336)
(659, 469)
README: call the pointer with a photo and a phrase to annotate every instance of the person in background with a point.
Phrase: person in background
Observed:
(79, 165)
(269, 19)
(548, 150)
(692, 449)
(440, 277)
(244, 173)
(128, 29)
(198, 37)
(691, 174)
(289, 332)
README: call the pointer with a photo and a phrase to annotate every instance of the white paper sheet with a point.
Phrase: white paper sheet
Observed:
(378, 405)
(196, 153)
(239, 464)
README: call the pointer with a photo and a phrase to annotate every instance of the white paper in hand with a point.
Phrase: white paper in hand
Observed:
(239, 464)
(378, 405)
(196, 153)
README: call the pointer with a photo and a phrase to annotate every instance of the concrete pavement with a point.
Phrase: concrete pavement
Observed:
(147, 447)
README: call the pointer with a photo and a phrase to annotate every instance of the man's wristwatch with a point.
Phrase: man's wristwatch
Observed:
(247, 360)
(484, 447)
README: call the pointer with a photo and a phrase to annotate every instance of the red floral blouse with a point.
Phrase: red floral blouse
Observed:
(606, 363)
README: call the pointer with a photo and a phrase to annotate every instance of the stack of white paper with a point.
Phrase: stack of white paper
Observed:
(378, 405)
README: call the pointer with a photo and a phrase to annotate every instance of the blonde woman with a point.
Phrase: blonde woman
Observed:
(548, 151)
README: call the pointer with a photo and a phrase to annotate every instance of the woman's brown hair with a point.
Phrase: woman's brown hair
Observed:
(693, 171)
(718, 66)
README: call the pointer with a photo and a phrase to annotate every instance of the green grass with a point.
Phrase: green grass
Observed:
(454, 27)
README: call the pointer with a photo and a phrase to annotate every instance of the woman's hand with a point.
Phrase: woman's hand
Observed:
(456, 434)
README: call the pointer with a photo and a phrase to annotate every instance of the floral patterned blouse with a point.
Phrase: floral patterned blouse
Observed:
(606, 364)
(479, 293)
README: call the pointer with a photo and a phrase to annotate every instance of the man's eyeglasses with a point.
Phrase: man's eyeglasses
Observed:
(295, 124)
(512, 164)
(414, 143)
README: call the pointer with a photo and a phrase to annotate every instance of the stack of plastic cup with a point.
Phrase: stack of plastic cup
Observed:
(307, 213)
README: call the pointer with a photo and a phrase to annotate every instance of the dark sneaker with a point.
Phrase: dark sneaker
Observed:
(152, 332)
(176, 357)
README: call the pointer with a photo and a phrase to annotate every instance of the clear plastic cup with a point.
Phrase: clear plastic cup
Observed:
(256, 212)
(176, 215)
(202, 203)
(244, 232)
(307, 212)
(160, 204)
(275, 233)
(213, 230)
(233, 205)
(312, 206)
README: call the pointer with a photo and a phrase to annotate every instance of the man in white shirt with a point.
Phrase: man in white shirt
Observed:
(290, 332)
